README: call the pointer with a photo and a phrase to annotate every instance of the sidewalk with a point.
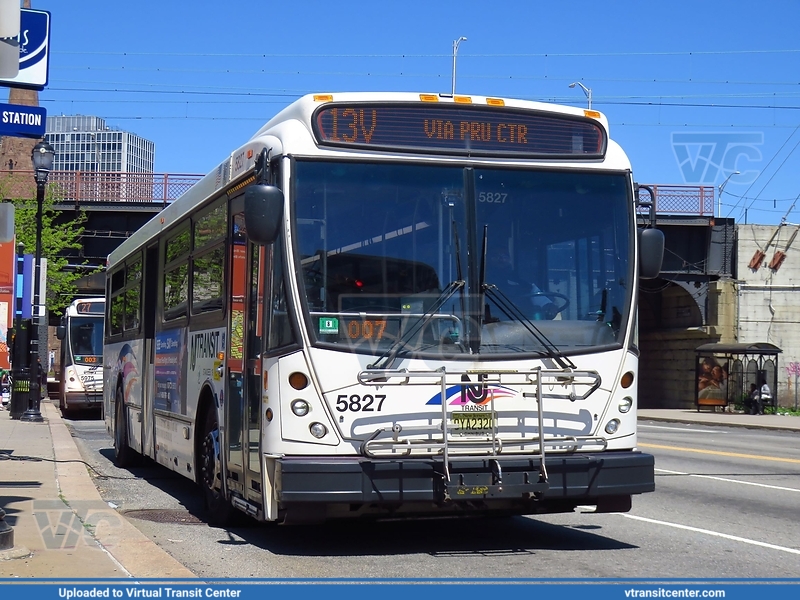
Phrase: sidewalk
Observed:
(707, 417)
(61, 526)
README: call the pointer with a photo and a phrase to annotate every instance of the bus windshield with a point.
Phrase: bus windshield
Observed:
(86, 336)
(540, 259)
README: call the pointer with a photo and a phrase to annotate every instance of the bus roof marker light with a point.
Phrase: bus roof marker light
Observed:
(428, 98)
(462, 99)
(592, 114)
(323, 98)
(495, 102)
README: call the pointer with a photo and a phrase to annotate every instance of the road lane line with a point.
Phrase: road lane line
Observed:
(682, 429)
(763, 485)
(734, 538)
(795, 461)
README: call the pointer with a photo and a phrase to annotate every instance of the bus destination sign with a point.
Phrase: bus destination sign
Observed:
(446, 128)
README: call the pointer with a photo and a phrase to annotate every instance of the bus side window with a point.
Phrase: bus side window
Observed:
(117, 308)
(280, 328)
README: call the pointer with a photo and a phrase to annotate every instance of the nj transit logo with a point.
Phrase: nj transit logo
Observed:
(468, 393)
(708, 158)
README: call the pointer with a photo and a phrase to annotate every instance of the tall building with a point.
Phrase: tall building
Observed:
(87, 144)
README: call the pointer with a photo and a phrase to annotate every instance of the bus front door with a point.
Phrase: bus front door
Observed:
(242, 412)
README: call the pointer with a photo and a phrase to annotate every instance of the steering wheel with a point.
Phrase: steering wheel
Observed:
(560, 302)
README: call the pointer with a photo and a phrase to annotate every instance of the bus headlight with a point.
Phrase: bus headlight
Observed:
(612, 426)
(318, 430)
(625, 404)
(300, 407)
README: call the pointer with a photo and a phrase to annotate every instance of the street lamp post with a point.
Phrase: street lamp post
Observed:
(456, 43)
(719, 193)
(42, 157)
(586, 90)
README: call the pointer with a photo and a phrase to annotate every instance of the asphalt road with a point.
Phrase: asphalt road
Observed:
(726, 505)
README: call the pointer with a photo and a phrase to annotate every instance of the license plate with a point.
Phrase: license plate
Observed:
(473, 422)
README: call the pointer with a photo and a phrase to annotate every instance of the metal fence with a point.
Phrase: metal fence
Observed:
(83, 187)
(681, 199)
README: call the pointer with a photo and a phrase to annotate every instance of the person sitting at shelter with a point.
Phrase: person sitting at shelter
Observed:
(753, 402)
(765, 396)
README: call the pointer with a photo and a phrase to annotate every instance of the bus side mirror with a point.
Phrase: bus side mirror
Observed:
(651, 252)
(61, 332)
(263, 212)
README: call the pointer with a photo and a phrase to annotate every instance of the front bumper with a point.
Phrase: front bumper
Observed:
(574, 478)
(83, 400)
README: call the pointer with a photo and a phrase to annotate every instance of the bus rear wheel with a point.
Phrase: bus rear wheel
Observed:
(220, 510)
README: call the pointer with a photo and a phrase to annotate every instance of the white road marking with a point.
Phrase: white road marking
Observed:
(734, 538)
(642, 426)
(763, 485)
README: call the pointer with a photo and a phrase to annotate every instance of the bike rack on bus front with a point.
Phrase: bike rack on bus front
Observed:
(562, 384)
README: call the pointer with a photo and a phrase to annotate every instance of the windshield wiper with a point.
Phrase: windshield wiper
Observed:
(512, 311)
(386, 359)
(393, 350)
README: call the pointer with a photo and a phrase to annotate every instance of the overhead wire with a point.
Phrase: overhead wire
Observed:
(774, 156)
(437, 55)
(773, 176)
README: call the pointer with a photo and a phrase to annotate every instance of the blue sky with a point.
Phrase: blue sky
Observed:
(693, 90)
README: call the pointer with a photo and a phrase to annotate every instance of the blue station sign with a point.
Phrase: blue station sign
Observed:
(17, 120)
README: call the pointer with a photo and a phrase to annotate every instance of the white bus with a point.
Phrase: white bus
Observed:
(80, 377)
(391, 305)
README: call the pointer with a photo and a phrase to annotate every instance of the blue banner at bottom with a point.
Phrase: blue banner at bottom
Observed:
(258, 589)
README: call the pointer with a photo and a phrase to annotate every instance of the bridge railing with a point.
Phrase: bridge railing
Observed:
(84, 187)
(681, 199)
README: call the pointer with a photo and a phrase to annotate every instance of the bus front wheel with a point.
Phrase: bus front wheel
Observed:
(220, 510)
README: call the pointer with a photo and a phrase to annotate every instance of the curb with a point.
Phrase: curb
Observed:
(135, 552)
(719, 423)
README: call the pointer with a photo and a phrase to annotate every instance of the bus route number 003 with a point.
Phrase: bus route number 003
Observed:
(358, 403)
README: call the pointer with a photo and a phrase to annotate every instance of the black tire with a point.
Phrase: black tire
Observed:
(220, 511)
(123, 454)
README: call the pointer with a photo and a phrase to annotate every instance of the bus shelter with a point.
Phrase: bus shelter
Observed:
(724, 372)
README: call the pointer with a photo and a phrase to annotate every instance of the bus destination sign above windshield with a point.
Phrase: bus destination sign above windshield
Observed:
(473, 131)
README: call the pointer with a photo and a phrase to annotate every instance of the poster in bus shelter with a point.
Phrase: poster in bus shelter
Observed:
(170, 362)
(712, 379)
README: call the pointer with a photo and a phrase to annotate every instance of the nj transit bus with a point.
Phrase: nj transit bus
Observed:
(80, 378)
(391, 305)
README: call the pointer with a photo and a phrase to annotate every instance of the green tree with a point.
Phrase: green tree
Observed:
(59, 240)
